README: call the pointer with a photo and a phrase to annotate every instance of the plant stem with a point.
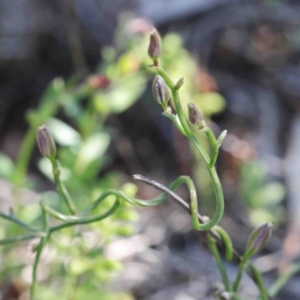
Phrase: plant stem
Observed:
(215, 252)
(259, 282)
(241, 269)
(39, 250)
(61, 188)
(86, 220)
(226, 241)
(209, 163)
(13, 219)
(214, 146)
(21, 238)
(214, 232)
(283, 279)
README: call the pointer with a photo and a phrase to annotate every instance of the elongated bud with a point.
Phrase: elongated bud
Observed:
(258, 238)
(179, 83)
(161, 92)
(154, 49)
(46, 142)
(195, 116)
(221, 137)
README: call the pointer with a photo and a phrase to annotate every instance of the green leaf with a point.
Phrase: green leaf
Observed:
(64, 134)
(6, 166)
(93, 148)
(45, 167)
(121, 96)
(210, 103)
(79, 265)
(269, 195)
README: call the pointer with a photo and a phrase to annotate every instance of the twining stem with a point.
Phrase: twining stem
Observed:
(215, 252)
(226, 241)
(61, 188)
(209, 162)
(215, 233)
(88, 220)
(84, 217)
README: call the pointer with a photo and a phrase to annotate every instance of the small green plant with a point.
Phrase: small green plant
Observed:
(60, 218)
(165, 90)
(44, 232)
(75, 111)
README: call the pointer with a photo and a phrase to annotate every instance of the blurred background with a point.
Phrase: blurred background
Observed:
(81, 68)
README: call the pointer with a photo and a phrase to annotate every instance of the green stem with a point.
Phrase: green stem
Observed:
(22, 238)
(76, 220)
(38, 251)
(241, 269)
(214, 146)
(175, 120)
(283, 279)
(259, 282)
(209, 163)
(12, 218)
(215, 252)
(226, 241)
(61, 188)
(86, 220)
(215, 233)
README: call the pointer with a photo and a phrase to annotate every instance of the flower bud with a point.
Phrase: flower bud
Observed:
(221, 138)
(161, 92)
(98, 81)
(154, 49)
(179, 83)
(46, 142)
(258, 238)
(195, 116)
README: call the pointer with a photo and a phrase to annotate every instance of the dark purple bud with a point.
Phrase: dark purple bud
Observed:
(258, 238)
(195, 116)
(161, 92)
(46, 142)
(154, 49)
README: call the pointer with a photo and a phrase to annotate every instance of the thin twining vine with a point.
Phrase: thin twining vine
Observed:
(162, 85)
(216, 234)
(47, 147)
